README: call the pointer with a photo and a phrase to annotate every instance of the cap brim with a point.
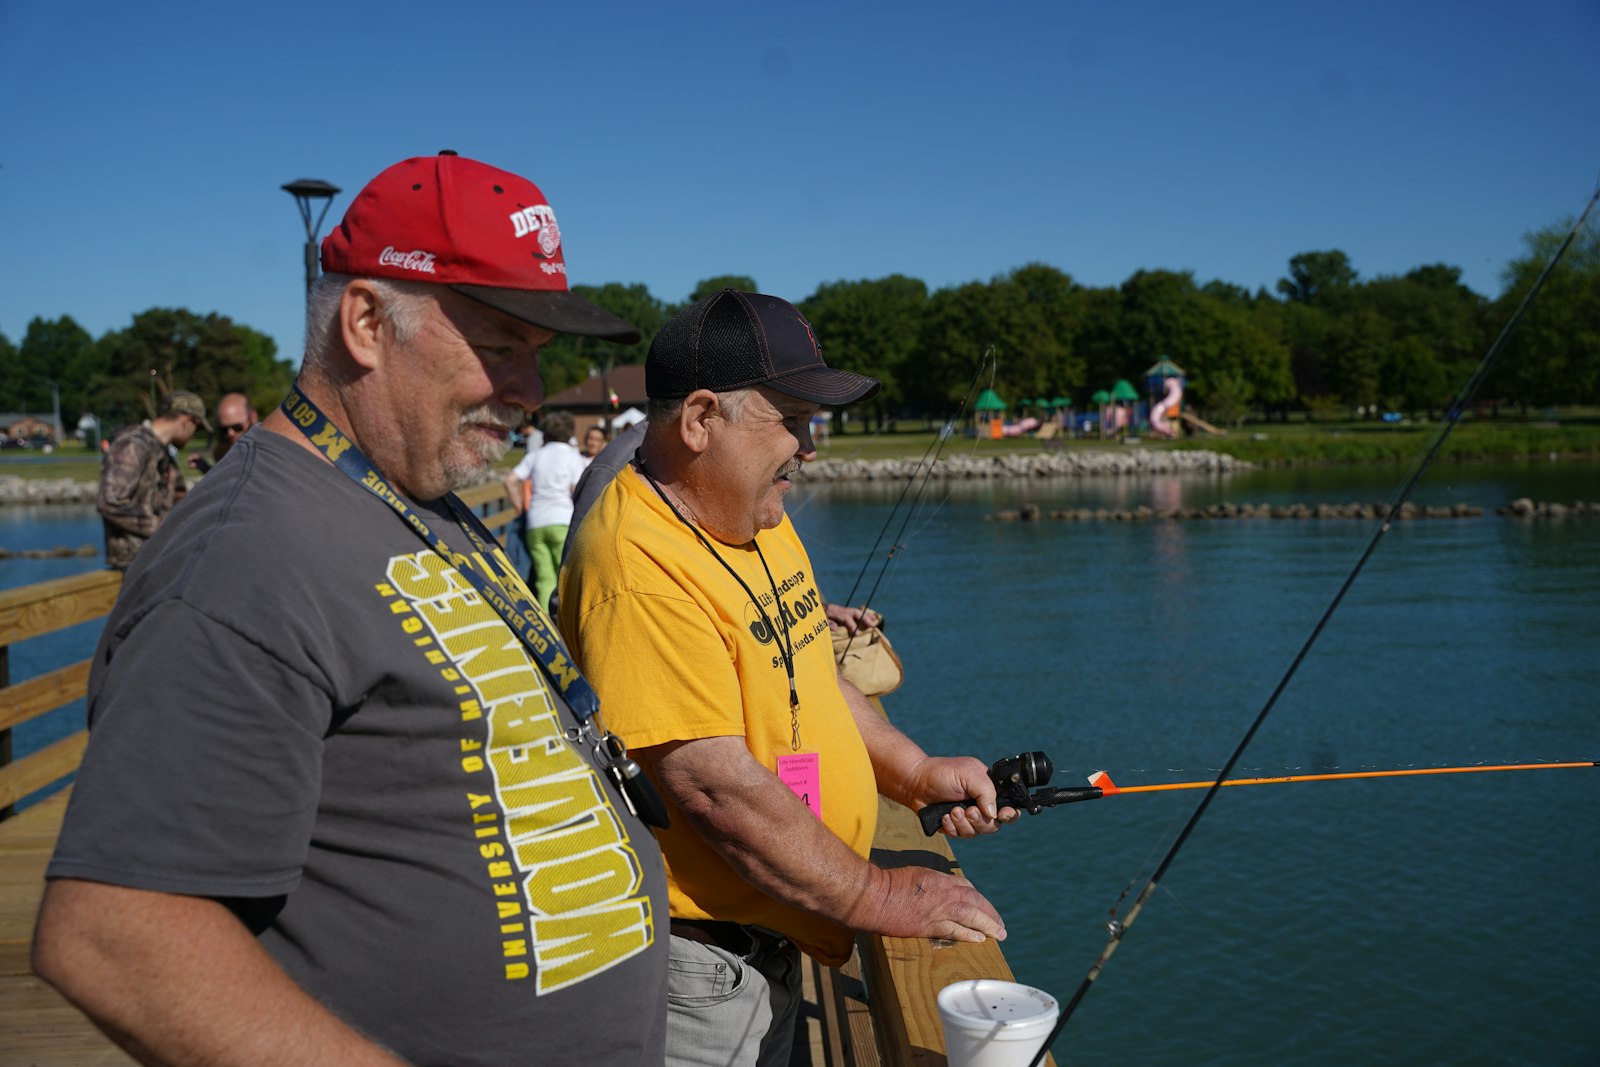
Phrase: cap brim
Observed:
(561, 312)
(825, 385)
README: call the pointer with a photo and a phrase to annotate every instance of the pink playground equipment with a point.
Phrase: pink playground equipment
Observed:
(1164, 412)
(1166, 377)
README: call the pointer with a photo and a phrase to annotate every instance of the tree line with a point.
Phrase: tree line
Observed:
(1325, 339)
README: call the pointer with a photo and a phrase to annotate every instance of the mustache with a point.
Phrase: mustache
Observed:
(501, 416)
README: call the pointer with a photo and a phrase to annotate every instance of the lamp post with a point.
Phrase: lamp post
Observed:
(304, 191)
(55, 406)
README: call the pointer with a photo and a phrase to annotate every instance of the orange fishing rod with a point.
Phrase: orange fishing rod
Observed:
(1019, 782)
(1102, 781)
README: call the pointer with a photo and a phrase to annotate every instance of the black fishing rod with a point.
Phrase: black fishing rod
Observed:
(924, 469)
(1118, 928)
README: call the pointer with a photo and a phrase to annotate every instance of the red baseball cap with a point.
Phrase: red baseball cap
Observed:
(484, 232)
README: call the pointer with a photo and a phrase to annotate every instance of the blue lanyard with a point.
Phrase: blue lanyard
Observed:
(500, 586)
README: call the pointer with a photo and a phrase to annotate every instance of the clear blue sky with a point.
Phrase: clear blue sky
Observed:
(142, 146)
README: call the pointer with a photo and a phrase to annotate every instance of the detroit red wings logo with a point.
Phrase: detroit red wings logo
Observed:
(550, 237)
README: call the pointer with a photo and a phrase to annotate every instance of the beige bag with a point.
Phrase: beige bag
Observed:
(870, 664)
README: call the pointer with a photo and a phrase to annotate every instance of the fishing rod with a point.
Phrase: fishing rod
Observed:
(1021, 782)
(924, 469)
(1116, 929)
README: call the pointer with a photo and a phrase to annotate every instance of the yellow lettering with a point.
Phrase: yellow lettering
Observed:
(491, 850)
(574, 947)
(478, 800)
(582, 881)
(472, 764)
(331, 440)
(500, 869)
(514, 971)
(548, 803)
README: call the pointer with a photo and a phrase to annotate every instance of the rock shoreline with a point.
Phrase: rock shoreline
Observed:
(1026, 465)
(15, 490)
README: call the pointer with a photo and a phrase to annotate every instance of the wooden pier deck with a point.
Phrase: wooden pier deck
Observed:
(877, 1009)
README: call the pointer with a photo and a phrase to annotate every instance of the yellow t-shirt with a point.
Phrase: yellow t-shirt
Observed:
(676, 650)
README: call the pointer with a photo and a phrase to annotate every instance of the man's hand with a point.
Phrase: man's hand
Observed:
(918, 902)
(850, 620)
(956, 778)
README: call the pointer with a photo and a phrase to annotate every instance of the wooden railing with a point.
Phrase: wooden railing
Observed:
(36, 610)
(877, 1009)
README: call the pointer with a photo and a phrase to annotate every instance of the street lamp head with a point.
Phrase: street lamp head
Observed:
(304, 191)
(311, 188)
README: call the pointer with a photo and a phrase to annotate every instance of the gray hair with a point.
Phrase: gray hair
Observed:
(556, 426)
(660, 411)
(403, 304)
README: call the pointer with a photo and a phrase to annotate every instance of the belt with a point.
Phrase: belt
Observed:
(737, 938)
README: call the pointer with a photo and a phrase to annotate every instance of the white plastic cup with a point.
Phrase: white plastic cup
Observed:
(991, 1023)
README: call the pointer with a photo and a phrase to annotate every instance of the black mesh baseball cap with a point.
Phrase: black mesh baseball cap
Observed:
(733, 340)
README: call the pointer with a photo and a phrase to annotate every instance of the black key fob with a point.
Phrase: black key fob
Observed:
(637, 790)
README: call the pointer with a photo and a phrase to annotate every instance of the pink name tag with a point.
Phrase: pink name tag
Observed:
(802, 772)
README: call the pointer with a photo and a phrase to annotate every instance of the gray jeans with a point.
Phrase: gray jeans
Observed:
(727, 1009)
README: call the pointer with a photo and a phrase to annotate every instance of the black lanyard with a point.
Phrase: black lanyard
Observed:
(500, 586)
(784, 640)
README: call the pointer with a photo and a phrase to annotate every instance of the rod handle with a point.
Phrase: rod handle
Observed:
(933, 813)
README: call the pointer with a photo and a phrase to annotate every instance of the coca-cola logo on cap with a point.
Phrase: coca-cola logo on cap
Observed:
(417, 260)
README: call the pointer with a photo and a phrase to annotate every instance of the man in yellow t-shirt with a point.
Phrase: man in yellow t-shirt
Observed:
(692, 606)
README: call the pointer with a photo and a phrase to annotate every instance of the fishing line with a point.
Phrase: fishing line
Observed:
(924, 468)
(1117, 929)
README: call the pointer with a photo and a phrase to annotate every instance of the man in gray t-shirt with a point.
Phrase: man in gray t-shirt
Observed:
(368, 821)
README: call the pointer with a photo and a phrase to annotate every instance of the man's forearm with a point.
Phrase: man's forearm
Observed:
(743, 809)
(179, 980)
(771, 840)
(893, 754)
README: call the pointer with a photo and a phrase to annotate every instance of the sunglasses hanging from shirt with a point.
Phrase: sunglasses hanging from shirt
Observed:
(504, 590)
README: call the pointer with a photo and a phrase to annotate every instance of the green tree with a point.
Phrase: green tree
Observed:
(567, 359)
(1317, 278)
(1356, 344)
(1163, 313)
(1411, 377)
(870, 327)
(1027, 316)
(174, 348)
(60, 351)
(742, 282)
(9, 367)
(1229, 397)
(1551, 358)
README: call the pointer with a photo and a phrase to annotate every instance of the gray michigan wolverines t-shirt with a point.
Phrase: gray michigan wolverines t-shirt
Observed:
(299, 707)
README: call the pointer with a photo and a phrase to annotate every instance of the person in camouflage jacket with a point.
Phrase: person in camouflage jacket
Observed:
(139, 478)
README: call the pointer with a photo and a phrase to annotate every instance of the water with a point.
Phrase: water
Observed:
(1450, 919)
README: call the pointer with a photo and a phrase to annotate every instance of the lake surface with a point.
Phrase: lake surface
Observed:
(1447, 919)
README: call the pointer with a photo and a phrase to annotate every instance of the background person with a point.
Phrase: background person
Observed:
(545, 480)
(352, 829)
(235, 416)
(139, 477)
(692, 604)
(594, 442)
